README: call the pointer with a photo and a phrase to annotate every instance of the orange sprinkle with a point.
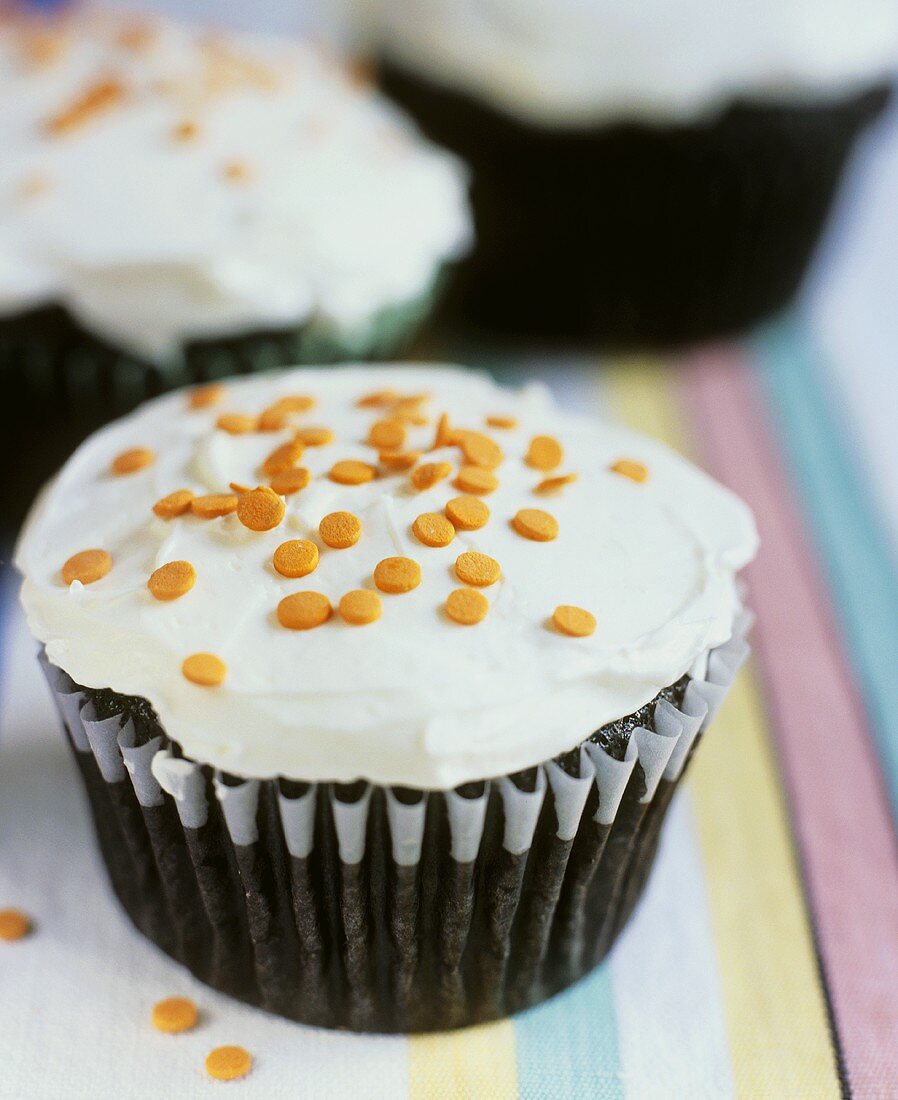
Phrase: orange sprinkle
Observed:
(238, 488)
(296, 402)
(87, 566)
(214, 505)
(172, 580)
(544, 453)
(467, 606)
(236, 171)
(387, 435)
(185, 131)
(502, 421)
(477, 569)
(476, 479)
(433, 529)
(95, 100)
(42, 46)
(480, 450)
(396, 575)
(129, 462)
(409, 408)
(380, 399)
(204, 396)
(443, 435)
(204, 669)
(296, 558)
(399, 460)
(137, 36)
(553, 484)
(228, 1063)
(626, 467)
(14, 925)
(340, 530)
(175, 504)
(174, 1015)
(429, 474)
(315, 437)
(574, 621)
(533, 523)
(360, 607)
(236, 423)
(283, 458)
(261, 509)
(467, 513)
(288, 482)
(273, 419)
(304, 610)
(352, 472)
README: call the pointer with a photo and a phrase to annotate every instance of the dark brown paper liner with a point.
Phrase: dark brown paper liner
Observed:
(361, 907)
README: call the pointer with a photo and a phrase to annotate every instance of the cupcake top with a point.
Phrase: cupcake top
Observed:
(447, 581)
(579, 62)
(168, 184)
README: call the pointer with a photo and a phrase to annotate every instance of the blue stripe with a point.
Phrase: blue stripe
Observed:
(851, 541)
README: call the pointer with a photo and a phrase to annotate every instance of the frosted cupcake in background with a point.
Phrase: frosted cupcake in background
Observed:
(646, 172)
(381, 680)
(178, 204)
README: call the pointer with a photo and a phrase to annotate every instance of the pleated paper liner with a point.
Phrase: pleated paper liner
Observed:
(386, 909)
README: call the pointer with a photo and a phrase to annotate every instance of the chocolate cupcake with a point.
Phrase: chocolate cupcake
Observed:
(178, 205)
(644, 174)
(381, 681)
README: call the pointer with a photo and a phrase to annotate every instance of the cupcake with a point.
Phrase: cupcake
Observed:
(645, 174)
(178, 205)
(380, 711)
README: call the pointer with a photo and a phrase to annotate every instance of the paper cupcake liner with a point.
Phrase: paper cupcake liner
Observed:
(639, 234)
(386, 909)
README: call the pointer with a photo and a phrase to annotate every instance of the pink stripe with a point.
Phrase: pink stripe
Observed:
(840, 810)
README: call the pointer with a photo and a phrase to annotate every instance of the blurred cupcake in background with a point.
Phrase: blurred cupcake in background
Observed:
(178, 204)
(648, 173)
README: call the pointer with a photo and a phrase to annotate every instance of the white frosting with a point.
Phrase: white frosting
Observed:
(583, 61)
(343, 210)
(414, 698)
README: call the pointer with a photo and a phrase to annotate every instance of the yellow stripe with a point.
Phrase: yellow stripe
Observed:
(775, 1011)
(475, 1063)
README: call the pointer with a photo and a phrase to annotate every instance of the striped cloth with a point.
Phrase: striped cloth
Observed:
(763, 962)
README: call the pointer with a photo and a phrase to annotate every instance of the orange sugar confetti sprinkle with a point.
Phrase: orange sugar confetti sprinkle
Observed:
(283, 458)
(87, 566)
(296, 558)
(351, 472)
(214, 505)
(502, 421)
(480, 450)
(380, 399)
(433, 529)
(185, 131)
(238, 487)
(315, 437)
(129, 462)
(360, 607)
(204, 669)
(274, 419)
(340, 530)
(536, 525)
(236, 171)
(94, 101)
(296, 402)
(14, 925)
(443, 435)
(174, 1015)
(42, 46)
(399, 460)
(172, 580)
(626, 467)
(260, 509)
(467, 606)
(204, 397)
(290, 481)
(175, 504)
(544, 453)
(387, 435)
(237, 423)
(479, 570)
(429, 474)
(304, 610)
(137, 36)
(554, 484)
(397, 575)
(476, 479)
(228, 1063)
(573, 621)
(467, 513)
